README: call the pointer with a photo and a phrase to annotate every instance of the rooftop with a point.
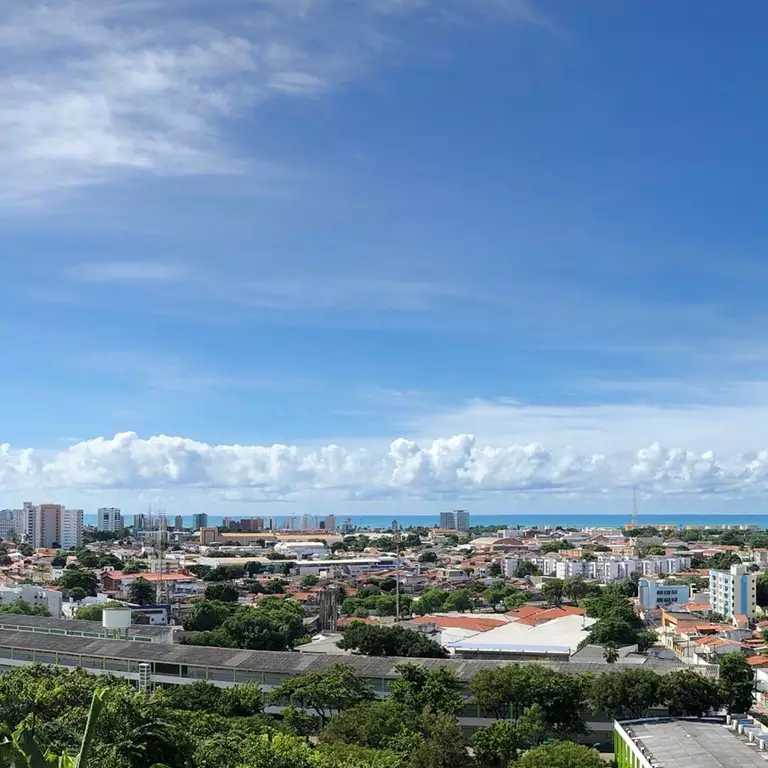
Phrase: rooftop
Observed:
(558, 636)
(694, 744)
(278, 662)
(21, 622)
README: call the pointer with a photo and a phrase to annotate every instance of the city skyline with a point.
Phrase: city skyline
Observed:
(383, 258)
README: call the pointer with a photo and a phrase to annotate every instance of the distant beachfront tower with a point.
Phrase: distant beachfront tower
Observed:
(462, 519)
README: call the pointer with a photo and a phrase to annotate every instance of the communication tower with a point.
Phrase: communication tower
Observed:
(634, 507)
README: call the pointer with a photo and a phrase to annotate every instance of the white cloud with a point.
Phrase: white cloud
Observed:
(737, 422)
(454, 467)
(98, 272)
(90, 91)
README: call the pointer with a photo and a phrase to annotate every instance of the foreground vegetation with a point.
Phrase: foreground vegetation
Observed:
(333, 720)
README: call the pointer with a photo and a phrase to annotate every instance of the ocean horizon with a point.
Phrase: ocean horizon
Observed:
(574, 520)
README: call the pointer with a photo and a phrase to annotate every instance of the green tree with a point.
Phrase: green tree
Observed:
(458, 600)
(380, 640)
(737, 682)
(206, 616)
(224, 592)
(506, 692)
(141, 592)
(77, 594)
(136, 566)
(95, 612)
(625, 695)
(762, 590)
(553, 591)
(498, 744)
(494, 570)
(196, 697)
(429, 601)
(75, 577)
(310, 580)
(575, 588)
(244, 700)
(688, 694)
(444, 746)
(525, 569)
(25, 609)
(612, 632)
(372, 724)
(340, 755)
(722, 561)
(430, 556)
(549, 547)
(430, 690)
(335, 689)
(560, 754)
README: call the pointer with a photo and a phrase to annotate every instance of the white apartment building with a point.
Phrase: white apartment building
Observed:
(71, 528)
(733, 592)
(110, 520)
(33, 595)
(609, 568)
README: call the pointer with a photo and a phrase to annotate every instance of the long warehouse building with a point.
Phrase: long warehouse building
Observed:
(158, 663)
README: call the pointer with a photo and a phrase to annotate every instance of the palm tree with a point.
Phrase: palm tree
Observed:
(610, 653)
(22, 751)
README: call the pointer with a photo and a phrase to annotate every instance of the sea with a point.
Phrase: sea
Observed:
(527, 520)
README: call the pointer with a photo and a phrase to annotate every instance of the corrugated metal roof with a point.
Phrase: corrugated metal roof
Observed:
(13, 620)
(274, 661)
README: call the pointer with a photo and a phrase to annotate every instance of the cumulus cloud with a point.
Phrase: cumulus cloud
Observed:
(452, 467)
(93, 90)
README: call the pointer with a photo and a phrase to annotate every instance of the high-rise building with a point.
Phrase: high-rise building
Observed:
(346, 526)
(51, 525)
(394, 525)
(199, 521)
(178, 523)
(71, 528)
(447, 521)
(140, 522)
(258, 524)
(462, 519)
(457, 520)
(330, 522)
(109, 519)
(733, 592)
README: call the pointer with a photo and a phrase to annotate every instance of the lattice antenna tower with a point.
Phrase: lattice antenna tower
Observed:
(634, 506)
(162, 594)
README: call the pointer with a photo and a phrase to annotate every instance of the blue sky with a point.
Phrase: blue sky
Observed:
(382, 226)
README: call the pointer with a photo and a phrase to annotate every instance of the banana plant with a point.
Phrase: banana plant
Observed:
(22, 751)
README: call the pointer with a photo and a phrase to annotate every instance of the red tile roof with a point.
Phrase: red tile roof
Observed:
(476, 623)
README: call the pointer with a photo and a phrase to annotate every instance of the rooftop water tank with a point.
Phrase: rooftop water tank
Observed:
(116, 618)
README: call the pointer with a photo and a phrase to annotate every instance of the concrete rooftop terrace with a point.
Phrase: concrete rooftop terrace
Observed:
(695, 744)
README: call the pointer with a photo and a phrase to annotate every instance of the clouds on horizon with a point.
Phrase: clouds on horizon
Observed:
(455, 467)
